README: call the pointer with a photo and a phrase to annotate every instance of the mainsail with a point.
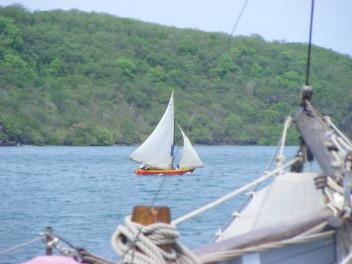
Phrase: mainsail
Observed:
(156, 151)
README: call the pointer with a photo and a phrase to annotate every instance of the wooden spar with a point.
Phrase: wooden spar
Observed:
(148, 215)
(315, 135)
(265, 235)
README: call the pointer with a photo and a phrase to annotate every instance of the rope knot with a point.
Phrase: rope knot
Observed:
(155, 243)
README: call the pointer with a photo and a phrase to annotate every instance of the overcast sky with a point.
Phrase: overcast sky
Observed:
(286, 20)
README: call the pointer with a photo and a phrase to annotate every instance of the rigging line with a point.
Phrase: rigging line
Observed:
(310, 42)
(164, 177)
(236, 24)
(239, 18)
(76, 250)
(141, 227)
(158, 191)
(232, 194)
(232, 31)
(247, 200)
(6, 251)
(132, 247)
(230, 36)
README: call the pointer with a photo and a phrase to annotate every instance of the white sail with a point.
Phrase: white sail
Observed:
(190, 158)
(156, 151)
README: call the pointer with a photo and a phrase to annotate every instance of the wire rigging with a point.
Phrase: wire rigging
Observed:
(239, 18)
(310, 42)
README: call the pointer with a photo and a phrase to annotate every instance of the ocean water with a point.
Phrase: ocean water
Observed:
(84, 193)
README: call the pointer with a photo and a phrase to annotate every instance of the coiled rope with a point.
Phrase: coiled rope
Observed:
(137, 244)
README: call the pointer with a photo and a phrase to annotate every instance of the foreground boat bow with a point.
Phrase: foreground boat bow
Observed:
(301, 217)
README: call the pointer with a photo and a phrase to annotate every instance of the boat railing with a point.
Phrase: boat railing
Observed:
(280, 167)
(234, 193)
(280, 157)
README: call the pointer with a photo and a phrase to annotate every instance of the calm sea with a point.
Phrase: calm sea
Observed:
(84, 193)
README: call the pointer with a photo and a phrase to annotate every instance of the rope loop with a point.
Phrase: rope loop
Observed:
(136, 244)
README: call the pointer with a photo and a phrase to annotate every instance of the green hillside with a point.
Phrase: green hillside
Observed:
(75, 78)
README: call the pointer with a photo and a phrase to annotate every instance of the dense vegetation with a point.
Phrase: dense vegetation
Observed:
(75, 78)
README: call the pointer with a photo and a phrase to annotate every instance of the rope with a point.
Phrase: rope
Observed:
(279, 149)
(280, 158)
(232, 194)
(328, 121)
(239, 17)
(14, 248)
(93, 259)
(347, 260)
(333, 185)
(137, 244)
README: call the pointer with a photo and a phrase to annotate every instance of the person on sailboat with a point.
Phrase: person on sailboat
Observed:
(144, 167)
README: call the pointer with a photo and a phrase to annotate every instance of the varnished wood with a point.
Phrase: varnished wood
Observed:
(315, 135)
(148, 215)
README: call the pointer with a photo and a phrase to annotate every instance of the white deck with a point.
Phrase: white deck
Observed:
(290, 196)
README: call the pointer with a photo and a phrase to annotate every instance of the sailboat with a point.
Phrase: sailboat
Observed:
(302, 215)
(157, 156)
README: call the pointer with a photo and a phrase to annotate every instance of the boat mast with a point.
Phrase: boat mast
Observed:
(174, 138)
(310, 42)
(314, 132)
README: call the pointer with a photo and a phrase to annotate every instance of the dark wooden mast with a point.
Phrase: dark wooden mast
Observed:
(315, 135)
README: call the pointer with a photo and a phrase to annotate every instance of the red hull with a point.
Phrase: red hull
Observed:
(178, 172)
